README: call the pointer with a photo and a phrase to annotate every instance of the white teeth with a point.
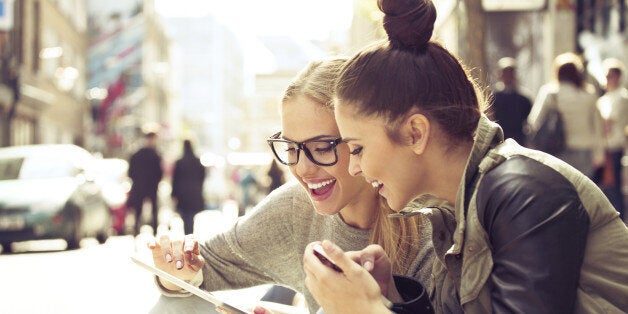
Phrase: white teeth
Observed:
(320, 184)
(375, 184)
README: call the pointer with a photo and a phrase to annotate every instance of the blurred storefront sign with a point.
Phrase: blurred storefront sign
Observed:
(513, 5)
(6, 15)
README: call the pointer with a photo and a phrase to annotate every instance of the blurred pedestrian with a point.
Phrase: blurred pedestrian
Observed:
(145, 171)
(510, 107)
(613, 106)
(576, 103)
(188, 177)
(276, 176)
(249, 186)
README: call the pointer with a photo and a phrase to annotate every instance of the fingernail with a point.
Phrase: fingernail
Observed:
(168, 258)
(368, 265)
(328, 245)
(179, 264)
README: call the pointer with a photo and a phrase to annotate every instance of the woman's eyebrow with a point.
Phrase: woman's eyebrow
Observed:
(318, 137)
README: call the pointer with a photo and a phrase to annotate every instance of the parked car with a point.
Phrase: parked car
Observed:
(49, 192)
(111, 175)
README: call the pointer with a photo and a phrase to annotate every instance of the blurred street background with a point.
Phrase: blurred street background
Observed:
(96, 75)
(44, 277)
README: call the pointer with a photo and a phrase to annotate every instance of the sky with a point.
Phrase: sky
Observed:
(306, 19)
(301, 19)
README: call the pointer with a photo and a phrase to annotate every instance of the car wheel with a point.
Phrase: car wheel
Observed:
(74, 242)
(103, 235)
(74, 239)
(6, 247)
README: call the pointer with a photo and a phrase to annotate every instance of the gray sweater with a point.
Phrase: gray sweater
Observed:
(267, 245)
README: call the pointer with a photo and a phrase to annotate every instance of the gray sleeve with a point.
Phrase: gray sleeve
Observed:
(421, 267)
(258, 247)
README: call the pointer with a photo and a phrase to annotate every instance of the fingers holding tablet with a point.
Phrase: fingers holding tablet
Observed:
(177, 255)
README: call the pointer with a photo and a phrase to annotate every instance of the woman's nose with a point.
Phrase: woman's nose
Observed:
(305, 165)
(354, 166)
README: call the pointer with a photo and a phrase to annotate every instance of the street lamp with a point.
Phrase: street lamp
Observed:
(96, 93)
(51, 53)
(66, 77)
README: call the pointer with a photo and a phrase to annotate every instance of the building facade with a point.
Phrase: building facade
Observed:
(47, 48)
(129, 68)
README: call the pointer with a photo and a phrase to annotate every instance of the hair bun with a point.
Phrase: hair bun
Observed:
(408, 23)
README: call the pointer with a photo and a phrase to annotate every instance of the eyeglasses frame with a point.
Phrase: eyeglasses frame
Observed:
(301, 147)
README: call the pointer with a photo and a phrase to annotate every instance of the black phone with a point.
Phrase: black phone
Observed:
(322, 256)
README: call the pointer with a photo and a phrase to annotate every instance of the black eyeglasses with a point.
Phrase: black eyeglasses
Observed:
(320, 152)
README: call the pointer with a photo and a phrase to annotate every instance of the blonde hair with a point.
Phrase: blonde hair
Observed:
(398, 237)
(316, 81)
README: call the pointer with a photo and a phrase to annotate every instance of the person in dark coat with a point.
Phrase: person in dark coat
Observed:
(146, 172)
(187, 186)
(510, 107)
(276, 176)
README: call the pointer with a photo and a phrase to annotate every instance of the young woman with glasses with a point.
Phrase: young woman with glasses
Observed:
(525, 232)
(267, 245)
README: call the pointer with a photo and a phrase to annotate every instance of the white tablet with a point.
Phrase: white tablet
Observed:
(206, 295)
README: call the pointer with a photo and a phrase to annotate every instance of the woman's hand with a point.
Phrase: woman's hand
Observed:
(358, 289)
(373, 259)
(177, 255)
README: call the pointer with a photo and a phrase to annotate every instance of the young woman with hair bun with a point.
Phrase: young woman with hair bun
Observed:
(516, 230)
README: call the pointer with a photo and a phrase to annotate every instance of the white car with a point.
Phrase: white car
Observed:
(48, 191)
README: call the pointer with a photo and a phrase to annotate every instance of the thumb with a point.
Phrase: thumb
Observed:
(337, 255)
(370, 255)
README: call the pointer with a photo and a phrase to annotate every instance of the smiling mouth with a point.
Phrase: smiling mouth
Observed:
(321, 187)
(376, 184)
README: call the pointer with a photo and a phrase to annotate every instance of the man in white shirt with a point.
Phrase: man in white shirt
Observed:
(613, 106)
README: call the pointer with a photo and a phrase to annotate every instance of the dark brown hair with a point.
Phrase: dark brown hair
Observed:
(569, 69)
(410, 74)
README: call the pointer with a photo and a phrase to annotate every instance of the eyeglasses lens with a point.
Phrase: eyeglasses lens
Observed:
(286, 152)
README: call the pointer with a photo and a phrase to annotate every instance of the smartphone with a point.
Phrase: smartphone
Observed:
(322, 256)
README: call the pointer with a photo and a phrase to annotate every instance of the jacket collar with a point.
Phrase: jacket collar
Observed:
(487, 135)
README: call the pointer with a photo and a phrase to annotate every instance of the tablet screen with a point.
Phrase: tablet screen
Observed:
(206, 295)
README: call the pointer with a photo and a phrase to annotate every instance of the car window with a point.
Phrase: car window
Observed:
(10, 168)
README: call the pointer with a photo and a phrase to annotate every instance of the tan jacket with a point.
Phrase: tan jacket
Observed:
(464, 260)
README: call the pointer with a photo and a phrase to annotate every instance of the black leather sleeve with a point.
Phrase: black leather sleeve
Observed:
(417, 299)
(537, 228)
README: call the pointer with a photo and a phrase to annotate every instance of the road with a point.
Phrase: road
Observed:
(42, 277)
(93, 279)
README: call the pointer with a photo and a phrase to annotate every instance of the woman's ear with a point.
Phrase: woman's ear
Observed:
(417, 127)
